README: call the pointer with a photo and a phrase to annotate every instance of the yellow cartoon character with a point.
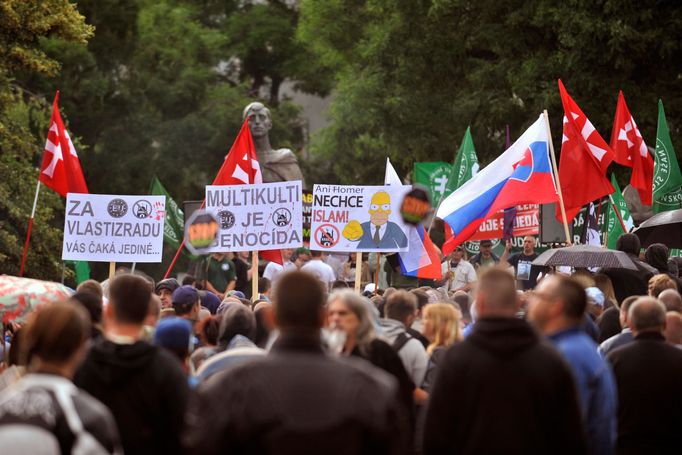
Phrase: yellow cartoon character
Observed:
(378, 233)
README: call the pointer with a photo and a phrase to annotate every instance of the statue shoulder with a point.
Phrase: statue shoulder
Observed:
(284, 155)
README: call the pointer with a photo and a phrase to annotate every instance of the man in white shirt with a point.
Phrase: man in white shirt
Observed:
(320, 269)
(458, 274)
(273, 270)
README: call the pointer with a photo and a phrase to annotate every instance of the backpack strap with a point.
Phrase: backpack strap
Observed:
(400, 341)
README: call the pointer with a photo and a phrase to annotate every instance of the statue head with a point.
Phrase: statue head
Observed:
(260, 121)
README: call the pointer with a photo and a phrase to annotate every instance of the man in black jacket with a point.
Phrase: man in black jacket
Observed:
(648, 373)
(628, 282)
(298, 399)
(142, 385)
(502, 390)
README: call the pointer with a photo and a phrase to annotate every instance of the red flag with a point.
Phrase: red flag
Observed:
(585, 156)
(631, 151)
(61, 168)
(241, 167)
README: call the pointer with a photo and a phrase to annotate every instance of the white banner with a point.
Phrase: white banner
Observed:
(107, 228)
(358, 218)
(266, 216)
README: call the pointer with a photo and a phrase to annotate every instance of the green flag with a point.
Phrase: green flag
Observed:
(173, 228)
(667, 176)
(465, 165)
(434, 176)
(82, 269)
(613, 223)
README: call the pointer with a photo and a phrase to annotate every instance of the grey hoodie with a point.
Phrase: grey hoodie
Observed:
(412, 354)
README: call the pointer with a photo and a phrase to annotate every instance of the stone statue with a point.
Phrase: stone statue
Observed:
(279, 165)
(639, 211)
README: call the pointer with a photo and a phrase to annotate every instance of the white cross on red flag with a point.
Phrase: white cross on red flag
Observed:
(631, 151)
(585, 156)
(61, 169)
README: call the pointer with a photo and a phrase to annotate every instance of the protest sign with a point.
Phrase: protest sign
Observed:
(358, 218)
(110, 228)
(265, 216)
(307, 214)
(527, 222)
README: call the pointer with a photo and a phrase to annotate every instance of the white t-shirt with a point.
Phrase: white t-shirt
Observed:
(322, 271)
(464, 274)
(273, 271)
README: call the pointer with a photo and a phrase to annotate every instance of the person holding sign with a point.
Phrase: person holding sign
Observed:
(378, 232)
(218, 274)
(526, 274)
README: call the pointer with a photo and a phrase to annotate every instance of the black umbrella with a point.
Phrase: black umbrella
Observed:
(664, 227)
(584, 256)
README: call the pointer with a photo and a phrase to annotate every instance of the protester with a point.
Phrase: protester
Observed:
(44, 412)
(526, 273)
(502, 370)
(209, 300)
(648, 372)
(218, 274)
(265, 322)
(595, 302)
(659, 283)
(557, 310)
(673, 328)
(15, 364)
(347, 270)
(442, 327)
(671, 299)
(186, 303)
(242, 273)
(164, 289)
(91, 286)
(189, 280)
(264, 289)
(175, 335)
(458, 274)
(273, 270)
(625, 335)
(143, 386)
(400, 311)
(318, 268)
(628, 282)
(92, 304)
(346, 407)
(485, 258)
(608, 322)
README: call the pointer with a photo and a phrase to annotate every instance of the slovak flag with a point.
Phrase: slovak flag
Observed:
(421, 259)
(61, 169)
(521, 175)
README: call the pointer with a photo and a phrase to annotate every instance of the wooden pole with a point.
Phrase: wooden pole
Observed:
(556, 176)
(376, 272)
(254, 276)
(358, 271)
(112, 270)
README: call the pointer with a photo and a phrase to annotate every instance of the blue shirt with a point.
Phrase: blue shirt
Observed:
(596, 387)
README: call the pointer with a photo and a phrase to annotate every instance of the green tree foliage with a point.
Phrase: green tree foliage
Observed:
(412, 75)
(24, 117)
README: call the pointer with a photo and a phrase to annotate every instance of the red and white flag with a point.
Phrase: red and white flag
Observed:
(585, 156)
(61, 168)
(631, 151)
(241, 167)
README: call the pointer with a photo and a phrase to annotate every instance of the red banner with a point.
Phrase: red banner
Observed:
(527, 222)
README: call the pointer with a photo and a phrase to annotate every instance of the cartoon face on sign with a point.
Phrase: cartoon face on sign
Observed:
(378, 232)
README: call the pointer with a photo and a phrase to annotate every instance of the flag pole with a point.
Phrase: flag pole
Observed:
(556, 176)
(182, 245)
(28, 231)
(376, 273)
(358, 271)
(112, 270)
(254, 276)
(615, 209)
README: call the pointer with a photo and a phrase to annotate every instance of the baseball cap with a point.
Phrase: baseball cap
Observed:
(371, 287)
(173, 333)
(184, 298)
(170, 284)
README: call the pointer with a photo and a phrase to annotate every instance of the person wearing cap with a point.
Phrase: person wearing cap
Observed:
(164, 289)
(186, 303)
(175, 335)
(485, 257)
(458, 274)
(557, 310)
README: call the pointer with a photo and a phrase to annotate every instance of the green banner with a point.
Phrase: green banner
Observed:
(613, 226)
(173, 228)
(434, 176)
(667, 177)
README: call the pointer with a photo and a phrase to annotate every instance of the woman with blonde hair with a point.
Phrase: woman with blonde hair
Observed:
(442, 326)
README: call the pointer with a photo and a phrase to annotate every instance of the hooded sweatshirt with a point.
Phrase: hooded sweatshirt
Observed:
(145, 389)
(503, 391)
(412, 353)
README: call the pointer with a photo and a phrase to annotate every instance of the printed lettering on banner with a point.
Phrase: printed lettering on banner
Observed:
(265, 216)
(358, 218)
(112, 228)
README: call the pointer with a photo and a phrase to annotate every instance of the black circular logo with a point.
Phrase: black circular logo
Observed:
(226, 219)
(281, 217)
(142, 209)
(117, 208)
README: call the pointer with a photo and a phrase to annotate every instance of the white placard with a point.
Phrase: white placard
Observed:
(113, 228)
(358, 218)
(265, 216)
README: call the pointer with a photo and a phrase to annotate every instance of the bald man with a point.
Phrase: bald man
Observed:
(673, 328)
(671, 299)
(648, 373)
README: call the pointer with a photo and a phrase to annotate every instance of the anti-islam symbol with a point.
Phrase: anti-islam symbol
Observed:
(281, 217)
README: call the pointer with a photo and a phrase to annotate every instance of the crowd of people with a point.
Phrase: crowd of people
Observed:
(500, 356)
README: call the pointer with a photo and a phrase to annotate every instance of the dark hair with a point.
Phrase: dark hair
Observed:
(628, 243)
(339, 284)
(400, 305)
(627, 303)
(91, 303)
(316, 253)
(57, 331)
(91, 286)
(299, 301)
(209, 328)
(263, 285)
(129, 297)
(189, 279)
(422, 298)
(236, 320)
(573, 296)
(14, 357)
(262, 331)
